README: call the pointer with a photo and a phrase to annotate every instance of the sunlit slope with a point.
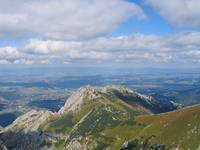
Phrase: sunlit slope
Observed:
(96, 118)
(180, 128)
(177, 129)
(94, 114)
(89, 123)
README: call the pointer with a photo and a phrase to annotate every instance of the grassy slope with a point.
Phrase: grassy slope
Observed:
(112, 122)
(105, 113)
(181, 127)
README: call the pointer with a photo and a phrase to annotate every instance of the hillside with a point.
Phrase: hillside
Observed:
(97, 118)
(180, 128)
(88, 112)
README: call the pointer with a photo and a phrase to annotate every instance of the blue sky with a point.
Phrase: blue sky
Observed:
(140, 33)
(154, 24)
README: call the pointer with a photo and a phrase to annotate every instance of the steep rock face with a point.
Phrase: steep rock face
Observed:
(23, 132)
(30, 121)
(76, 100)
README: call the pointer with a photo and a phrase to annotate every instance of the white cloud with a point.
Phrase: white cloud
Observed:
(36, 46)
(66, 62)
(180, 13)
(46, 61)
(175, 48)
(23, 61)
(4, 62)
(180, 48)
(71, 31)
(9, 53)
(64, 19)
(95, 55)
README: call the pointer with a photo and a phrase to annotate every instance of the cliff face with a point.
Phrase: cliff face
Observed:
(76, 100)
(83, 122)
(24, 132)
(30, 121)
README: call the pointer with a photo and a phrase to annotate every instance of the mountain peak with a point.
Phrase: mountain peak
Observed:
(82, 95)
(89, 93)
(90, 112)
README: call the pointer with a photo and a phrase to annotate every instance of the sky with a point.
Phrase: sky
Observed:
(135, 33)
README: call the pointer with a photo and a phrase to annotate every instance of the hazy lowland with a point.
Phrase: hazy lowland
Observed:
(100, 109)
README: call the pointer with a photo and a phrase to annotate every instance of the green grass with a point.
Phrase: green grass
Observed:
(122, 133)
(63, 124)
(60, 145)
(175, 128)
(110, 122)
(103, 116)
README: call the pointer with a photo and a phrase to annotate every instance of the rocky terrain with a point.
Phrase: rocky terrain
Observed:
(106, 118)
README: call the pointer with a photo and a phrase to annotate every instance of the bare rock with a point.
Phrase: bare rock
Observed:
(77, 99)
(30, 121)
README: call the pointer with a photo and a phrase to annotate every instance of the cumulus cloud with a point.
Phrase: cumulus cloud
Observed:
(23, 61)
(139, 48)
(69, 31)
(175, 48)
(36, 46)
(9, 53)
(4, 62)
(180, 13)
(64, 19)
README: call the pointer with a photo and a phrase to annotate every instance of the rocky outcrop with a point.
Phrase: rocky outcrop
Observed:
(88, 93)
(23, 133)
(74, 145)
(77, 99)
(30, 121)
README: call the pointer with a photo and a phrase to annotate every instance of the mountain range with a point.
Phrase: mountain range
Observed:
(110, 118)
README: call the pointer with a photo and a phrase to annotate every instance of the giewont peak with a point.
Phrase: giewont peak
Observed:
(78, 98)
(88, 93)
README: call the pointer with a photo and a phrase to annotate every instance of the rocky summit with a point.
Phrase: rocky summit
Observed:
(112, 117)
(77, 99)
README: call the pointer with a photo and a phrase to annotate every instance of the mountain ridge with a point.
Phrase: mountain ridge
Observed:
(88, 92)
(91, 118)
